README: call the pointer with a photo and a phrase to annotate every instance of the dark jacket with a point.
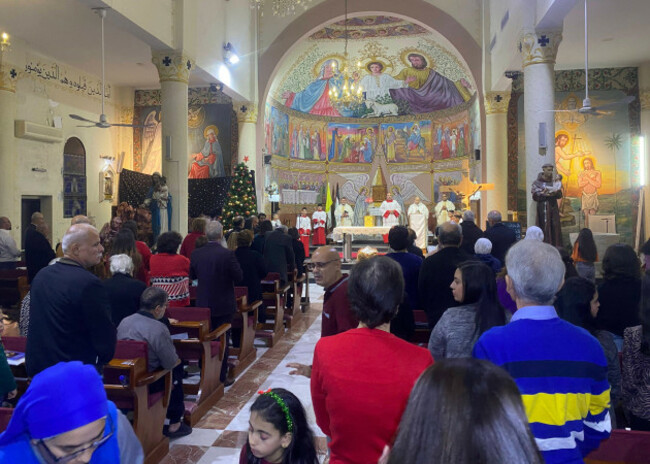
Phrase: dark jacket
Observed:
(502, 239)
(254, 270)
(124, 294)
(471, 233)
(70, 318)
(619, 304)
(403, 325)
(258, 243)
(299, 254)
(436, 275)
(278, 253)
(38, 251)
(217, 269)
(491, 261)
(414, 250)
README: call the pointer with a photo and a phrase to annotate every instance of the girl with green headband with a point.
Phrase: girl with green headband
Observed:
(278, 432)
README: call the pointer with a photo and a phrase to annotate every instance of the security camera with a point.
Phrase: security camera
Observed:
(512, 74)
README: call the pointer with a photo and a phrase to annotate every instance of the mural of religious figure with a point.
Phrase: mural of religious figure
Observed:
(315, 145)
(377, 84)
(389, 143)
(416, 142)
(314, 99)
(589, 181)
(208, 163)
(427, 90)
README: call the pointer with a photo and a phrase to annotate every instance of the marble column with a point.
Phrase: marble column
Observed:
(538, 50)
(496, 153)
(247, 118)
(9, 201)
(174, 72)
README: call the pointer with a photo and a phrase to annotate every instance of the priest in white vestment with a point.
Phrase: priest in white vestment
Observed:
(344, 214)
(418, 217)
(444, 210)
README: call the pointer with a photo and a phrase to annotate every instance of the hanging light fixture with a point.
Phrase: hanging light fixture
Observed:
(347, 96)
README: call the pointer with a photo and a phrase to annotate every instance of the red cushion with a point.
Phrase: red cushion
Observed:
(153, 398)
(5, 417)
(241, 291)
(215, 346)
(129, 349)
(272, 276)
(189, 313)
(623, 446)
(15, 343)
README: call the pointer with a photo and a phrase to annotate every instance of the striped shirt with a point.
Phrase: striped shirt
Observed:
(561, 372)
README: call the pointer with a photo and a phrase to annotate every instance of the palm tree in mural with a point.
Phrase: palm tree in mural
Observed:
(614, 143)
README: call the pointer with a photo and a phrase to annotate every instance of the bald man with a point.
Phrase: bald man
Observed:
(38, 250)
(78, 219)
(9, 251)
(70, 316)
(337, 315)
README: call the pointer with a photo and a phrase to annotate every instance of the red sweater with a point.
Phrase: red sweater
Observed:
(337, 315)
(360, 383)
(145, 252)
(189, 242)
(168, 265)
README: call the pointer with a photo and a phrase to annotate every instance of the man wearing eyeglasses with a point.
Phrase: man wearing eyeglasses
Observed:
(337, 315)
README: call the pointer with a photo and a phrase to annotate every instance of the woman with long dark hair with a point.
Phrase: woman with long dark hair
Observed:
(585, 254)
(278, 431)
(474, 288)
(636, 366)
(464, 411)
(620, 293)
(577, 303)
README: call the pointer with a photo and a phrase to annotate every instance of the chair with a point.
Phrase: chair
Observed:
(19, 345)
(5, 417)
(13, 286)
(274, 296)
(203, 348)
(127, 381)
(293, 312)
(422, 330)
(622, 447)
(244, 319)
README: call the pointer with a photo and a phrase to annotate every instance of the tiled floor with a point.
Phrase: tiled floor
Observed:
(220, 435)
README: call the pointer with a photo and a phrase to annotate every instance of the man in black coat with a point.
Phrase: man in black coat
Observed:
(70, 318)
(217, 270)
(500, 235)
(38, 251)
(278, 253)
(471, 232)
(123, 290)
(437, 273)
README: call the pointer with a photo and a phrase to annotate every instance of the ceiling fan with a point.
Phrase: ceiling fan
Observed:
(586, 103)
(103, 120)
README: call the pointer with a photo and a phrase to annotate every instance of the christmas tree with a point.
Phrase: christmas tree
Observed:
(242, 200)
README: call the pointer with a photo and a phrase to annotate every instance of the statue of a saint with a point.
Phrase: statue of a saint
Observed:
(546, 191)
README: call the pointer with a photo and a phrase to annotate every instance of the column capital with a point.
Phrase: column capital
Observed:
(8, 78)
(246, 111)
(644, 96)
(172, 66)
(497, 102)
(539, 46)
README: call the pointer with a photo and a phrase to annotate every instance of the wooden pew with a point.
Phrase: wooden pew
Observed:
(19, 345)
(274, 296)
(203, 348)
(622, 447)
(127, 382)
(13, 286)
(5, 417)
(245, 319)
(293, 312)
(422, 330)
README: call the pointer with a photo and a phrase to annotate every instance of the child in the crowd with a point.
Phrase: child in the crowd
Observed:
(276, 220)
(278, 431)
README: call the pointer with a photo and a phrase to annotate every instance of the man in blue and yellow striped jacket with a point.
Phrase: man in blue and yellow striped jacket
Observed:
(559, 368)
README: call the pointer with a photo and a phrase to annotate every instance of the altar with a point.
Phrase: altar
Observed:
(348, 232)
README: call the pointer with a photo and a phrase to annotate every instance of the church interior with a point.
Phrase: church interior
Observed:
(245, 107)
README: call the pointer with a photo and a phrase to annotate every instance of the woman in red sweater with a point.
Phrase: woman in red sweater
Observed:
(198, 230)
(361, 379)
(169, 270)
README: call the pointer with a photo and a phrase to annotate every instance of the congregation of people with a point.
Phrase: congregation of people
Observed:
(528, 357)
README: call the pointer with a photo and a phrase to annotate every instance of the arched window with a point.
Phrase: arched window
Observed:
(74, 178)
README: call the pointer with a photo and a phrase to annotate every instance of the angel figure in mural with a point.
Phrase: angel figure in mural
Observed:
(314, 99)
(151, 143)
(208, 163)
(398, 197)
(376, 85)
(427, 90)
(357, 192)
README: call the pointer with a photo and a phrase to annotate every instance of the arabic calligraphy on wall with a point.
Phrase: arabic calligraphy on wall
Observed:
(46, 70)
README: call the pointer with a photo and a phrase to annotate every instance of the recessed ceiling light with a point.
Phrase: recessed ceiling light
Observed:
(608, 39)
(140, 64)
